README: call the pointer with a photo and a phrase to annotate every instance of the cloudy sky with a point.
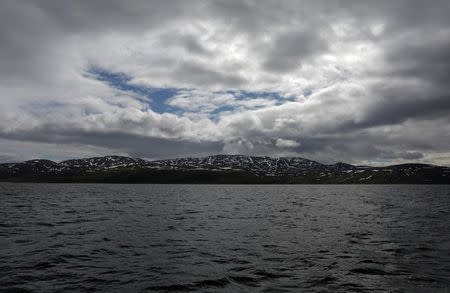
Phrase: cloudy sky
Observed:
(366, 82)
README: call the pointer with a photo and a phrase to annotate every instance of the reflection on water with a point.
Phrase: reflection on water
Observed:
(214, 238)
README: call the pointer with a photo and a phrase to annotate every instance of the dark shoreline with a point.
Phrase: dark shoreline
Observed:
(146, 176)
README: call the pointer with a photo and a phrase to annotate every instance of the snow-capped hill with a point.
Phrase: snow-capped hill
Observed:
(257, 165)
(343, 166)
(31, 166)
(38, 164)
(253, 168)
(100, 163)
(71, 166)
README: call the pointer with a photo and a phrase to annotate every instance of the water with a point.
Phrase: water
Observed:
(214, 238)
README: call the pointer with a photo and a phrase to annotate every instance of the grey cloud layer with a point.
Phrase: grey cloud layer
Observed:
(376, 74)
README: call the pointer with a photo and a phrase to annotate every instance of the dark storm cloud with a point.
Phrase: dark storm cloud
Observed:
(21, 41)
(422, 88)
(104, 15)
(424, 59)
(199, 73)
(291, 48)
(350, 148)
(400, 105)
(134, 145)
(412, 155)
(189, 43)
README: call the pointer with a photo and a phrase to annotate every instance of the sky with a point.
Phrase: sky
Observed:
(364, 82)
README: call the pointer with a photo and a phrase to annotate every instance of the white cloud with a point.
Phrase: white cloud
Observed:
(374, 90)
(200, 101)
(286, 143)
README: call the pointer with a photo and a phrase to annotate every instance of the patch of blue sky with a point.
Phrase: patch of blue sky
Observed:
(224, 108)
(157, 97)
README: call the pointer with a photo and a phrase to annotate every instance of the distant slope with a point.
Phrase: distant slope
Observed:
(219, 169)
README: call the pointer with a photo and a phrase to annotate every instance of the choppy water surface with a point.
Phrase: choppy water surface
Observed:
(214, 238)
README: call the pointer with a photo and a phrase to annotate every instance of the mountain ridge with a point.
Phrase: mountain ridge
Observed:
(209, 169)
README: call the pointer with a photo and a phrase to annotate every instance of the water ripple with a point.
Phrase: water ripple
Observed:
(207, 238)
